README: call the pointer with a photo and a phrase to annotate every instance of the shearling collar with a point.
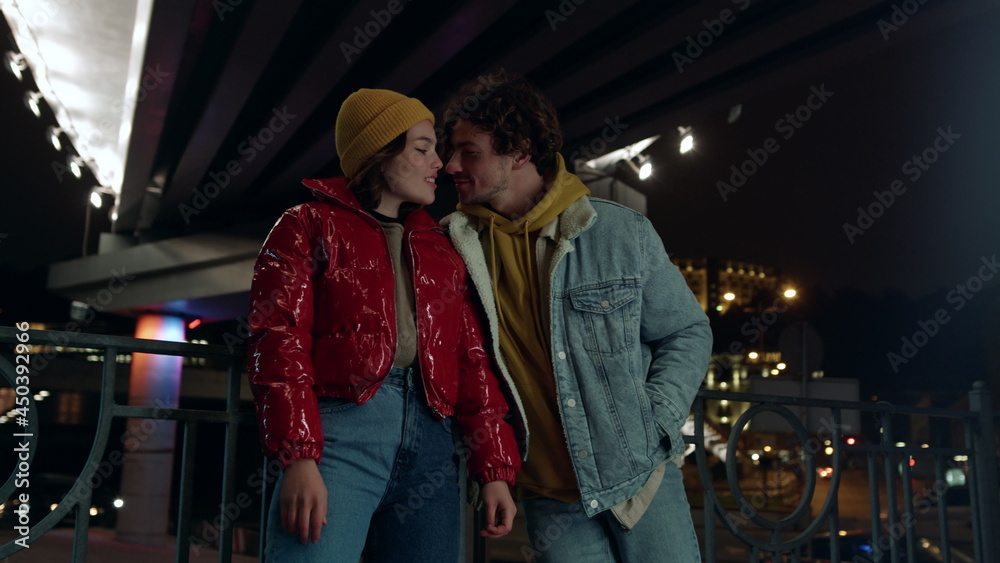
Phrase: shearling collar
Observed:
(578, 217)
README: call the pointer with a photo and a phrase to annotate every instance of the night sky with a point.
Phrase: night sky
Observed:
(885, 109)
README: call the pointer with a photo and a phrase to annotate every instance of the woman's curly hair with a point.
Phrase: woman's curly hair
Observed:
(515, 113)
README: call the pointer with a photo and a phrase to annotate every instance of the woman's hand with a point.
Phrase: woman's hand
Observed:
(500, 509)
(303, 500)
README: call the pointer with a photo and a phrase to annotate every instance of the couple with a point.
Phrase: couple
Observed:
(549, 311)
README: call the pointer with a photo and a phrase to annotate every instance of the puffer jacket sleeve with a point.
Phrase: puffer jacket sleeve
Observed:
(280, 343)
(488, 439)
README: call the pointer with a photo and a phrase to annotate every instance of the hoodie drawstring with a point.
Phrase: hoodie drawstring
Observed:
(533, 281)
(493, 268)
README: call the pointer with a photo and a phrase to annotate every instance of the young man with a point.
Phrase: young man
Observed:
(604, 342)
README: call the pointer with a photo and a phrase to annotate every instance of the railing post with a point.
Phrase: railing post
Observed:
(984, 444)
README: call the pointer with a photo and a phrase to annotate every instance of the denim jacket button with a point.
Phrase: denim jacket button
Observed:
(562, 355)
(582, 454)
(571, 402)
(605, 303)
(593, 504)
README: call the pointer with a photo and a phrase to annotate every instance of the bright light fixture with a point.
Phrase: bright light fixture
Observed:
(687, 143)
(687, 139)
(76, 165)
(625, 153)
(729, 296)
(95, 199)
(789, 293)
(16, 64)
(31, 100)
(54, 136)
(641, 166)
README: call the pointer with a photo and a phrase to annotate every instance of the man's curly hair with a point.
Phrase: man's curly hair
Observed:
(515, 113)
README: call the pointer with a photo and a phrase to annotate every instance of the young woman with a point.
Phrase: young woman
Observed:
(365, 346)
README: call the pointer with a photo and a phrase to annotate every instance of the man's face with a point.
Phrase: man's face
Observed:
(481, 175)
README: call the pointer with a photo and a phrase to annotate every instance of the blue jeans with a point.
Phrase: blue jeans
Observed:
(562, 533)
(391, 480)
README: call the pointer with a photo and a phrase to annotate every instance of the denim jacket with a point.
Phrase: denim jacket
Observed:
(630, 343)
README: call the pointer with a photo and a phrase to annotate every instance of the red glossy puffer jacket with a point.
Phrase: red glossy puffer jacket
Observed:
(323, 324)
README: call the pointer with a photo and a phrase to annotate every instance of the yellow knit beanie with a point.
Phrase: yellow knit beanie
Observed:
(369, 119)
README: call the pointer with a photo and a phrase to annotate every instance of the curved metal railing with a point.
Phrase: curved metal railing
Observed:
(782, 538)
(78, 499)
(785, 538)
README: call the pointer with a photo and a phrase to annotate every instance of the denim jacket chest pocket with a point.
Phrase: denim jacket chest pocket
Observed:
(607, 316)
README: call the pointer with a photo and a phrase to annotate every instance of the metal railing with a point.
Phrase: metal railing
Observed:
(892, 535)
(762, 537)
(78, 499)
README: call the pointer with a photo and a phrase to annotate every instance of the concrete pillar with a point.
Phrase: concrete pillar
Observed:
(149, 443)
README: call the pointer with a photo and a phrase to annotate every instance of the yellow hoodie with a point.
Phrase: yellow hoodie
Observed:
(524, 341)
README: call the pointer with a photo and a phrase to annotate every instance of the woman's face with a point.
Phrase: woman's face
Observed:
(411, 174)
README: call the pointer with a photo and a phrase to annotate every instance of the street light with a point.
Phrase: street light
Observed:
(687, 139)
